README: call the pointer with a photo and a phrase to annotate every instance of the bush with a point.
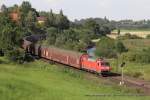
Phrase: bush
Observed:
(15, 55)
(120, 48)
(109, 48)
(129, 56)
(1, 53)
(106, 48)
(28, 58)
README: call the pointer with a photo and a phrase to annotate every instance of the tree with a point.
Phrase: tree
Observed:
(120, 48)
(8, 37)
(52, 34)
(51, 19)
(25, 7)
(95, 28)
(62, 21)
(106, 48)
(24, 10)
(3, 8)
(31, 17)
(30, 21)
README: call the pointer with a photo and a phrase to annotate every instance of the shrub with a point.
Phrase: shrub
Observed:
(15, 55)
(129, 56)
(106, 48)
(120, 48)
(1, 53)
(109, 48)
(28, 58)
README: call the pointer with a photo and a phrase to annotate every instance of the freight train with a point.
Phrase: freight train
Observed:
(66, 57)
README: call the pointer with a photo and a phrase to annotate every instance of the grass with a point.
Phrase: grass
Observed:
(41, 81)
(135, 30)
(137, 44)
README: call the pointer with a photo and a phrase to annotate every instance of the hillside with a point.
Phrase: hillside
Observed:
(41, 81)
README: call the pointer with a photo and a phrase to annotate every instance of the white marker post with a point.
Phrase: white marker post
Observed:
(122, 76)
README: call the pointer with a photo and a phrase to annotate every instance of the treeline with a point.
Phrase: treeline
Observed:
(122, 24)
(72, 35)
(133, 25)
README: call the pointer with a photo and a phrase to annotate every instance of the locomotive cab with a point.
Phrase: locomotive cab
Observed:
(103, 66)
(95, 65)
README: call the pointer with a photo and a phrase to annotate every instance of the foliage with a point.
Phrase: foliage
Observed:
(16, 55)
(8, 33)
(138, 57)
(62, 21)
(109, 48)
(68, 39)
(59, 21)
(120, 48)
(1, 53)
(52, 35)
(106, 48)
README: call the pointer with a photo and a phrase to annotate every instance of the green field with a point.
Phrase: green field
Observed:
(141, 33)
(137, 44)
(41, 81)
(135, 30)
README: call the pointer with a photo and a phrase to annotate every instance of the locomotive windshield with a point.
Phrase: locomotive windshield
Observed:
(105, 64)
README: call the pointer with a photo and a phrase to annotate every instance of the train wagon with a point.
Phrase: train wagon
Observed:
(61, 56)
(75, 59)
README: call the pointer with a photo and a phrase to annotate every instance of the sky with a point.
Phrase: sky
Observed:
(78, 9)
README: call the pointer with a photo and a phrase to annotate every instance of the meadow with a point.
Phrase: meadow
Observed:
(141, 33)
(39, 80)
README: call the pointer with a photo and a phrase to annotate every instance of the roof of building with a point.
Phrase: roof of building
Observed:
(41, 18)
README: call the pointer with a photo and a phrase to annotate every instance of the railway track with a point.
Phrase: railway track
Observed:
(141, 85)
